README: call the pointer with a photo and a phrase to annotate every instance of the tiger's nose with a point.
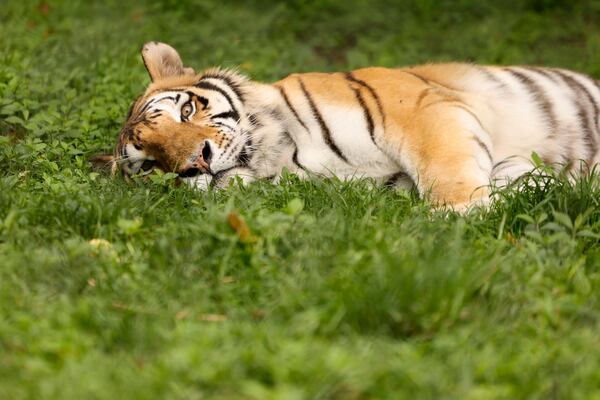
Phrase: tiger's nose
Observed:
(207, 152)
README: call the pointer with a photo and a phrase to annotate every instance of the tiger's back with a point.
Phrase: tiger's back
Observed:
(523, 109)
(516, 110)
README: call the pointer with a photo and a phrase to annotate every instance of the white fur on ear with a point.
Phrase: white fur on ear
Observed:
(163, 61)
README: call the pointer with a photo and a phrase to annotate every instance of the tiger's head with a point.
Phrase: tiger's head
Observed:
(187, 123)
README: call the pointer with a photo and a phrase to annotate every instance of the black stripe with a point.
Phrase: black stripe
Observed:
(484, 147)
(597, 86)
(577, 88)
(229, 150)
(276, 115)
(593, 81)
(228, 81)
(174, 99)
(453, 102)
(255, 121)
(324, 129)
(392, 180)
(226, 114)
(247, 152)
(215, 88)
(543, 72)
(295, 155)
(292, 109)
(466, 109)
(419, 77)
(568, 153)
(491, 77)
(295, 159)
(539, 95)
(587, 129)
(429, 81)
(422, 96)
(366, 113)
(475, 138)
(501, 163)
(244, 157)
(155, 100)
(146, 122)
(352, 78)
(145, 107)
(201, 99)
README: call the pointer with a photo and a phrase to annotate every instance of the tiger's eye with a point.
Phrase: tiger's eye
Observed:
(186, 110)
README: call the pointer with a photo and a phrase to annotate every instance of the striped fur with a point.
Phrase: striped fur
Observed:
(448, 129)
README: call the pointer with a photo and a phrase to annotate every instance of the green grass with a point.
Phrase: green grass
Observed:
(338, 290)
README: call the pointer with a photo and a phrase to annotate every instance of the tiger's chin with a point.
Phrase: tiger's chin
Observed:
(222, 179)
(201, 182)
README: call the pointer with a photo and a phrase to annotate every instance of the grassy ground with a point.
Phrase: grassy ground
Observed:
(338, 290)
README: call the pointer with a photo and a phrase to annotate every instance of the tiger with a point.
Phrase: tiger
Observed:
(451, 131)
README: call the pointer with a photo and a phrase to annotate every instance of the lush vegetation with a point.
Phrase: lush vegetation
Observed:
(319, 289)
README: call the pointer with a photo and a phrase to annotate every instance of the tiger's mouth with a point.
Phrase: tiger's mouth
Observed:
(202, 173)
(208, 180)
(199, 163)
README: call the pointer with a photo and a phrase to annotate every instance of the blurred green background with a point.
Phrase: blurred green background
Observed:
(112, 290)
(63, 49)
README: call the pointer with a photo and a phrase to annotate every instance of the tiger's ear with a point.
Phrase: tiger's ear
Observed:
(163, 61)
(103, 163)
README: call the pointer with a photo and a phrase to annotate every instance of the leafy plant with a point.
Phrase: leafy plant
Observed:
(305, 289)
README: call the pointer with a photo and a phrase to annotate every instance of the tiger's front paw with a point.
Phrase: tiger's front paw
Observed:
(468, 206)
(463, 201)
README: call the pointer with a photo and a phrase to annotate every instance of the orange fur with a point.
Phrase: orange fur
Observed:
(420, 114)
